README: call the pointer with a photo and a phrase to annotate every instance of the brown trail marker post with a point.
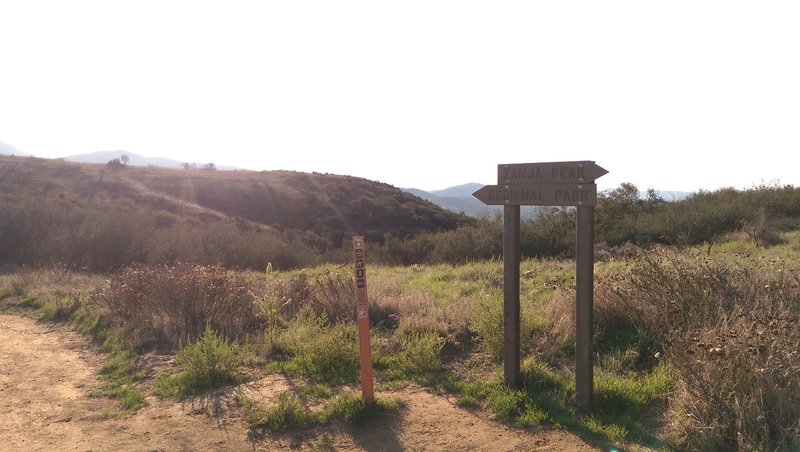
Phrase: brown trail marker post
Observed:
(548, 184)
(362, 317)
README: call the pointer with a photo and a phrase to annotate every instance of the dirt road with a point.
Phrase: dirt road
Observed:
(48, 375)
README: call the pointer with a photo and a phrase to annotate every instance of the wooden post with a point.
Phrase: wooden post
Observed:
(511, 257)
(584, 276)
(548, 184)
(362, 316)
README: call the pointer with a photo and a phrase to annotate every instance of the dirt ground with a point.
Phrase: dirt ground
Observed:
(48, 375)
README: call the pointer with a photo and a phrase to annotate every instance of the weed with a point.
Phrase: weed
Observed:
(486, 320)
(505, 403)
(315, 391)
(352, 409)
(419, 358)
(322, 353)
(532, 416)
(130, 398)
(120, 375)
(289, 413)
(472, 393)
(60, 309)
(207, 363)
(324, 443)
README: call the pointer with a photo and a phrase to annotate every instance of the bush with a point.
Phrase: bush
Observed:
(210, 361)
(172, 304)
(207, 363)
(323, 353)
(421, 353)
(729, 330)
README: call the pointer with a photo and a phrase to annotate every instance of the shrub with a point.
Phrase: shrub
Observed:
(210, 361)
(729, 330)
(320, 352)
(421, 353)
(171, 304)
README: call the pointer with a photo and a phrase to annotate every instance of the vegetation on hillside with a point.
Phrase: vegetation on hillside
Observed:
(695, 349)
(103, 218)
(697, 302)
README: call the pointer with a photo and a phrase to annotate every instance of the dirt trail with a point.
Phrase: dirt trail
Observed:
(47, 376)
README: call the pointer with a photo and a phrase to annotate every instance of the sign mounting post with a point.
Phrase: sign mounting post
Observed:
(511, 257)
(362, 317)
(548, 184)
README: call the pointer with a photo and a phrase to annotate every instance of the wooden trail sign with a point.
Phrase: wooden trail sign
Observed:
(362, 317)
(538, 195)
(548, 184)
(549, 173)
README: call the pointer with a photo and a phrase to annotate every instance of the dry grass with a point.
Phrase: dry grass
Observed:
(730, 330)
(170, 305)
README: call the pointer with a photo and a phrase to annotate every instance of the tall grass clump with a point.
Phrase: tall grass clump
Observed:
(288, 413)
(730, 331)
(169, 305)
(486, 320)
(209, 362)
(416, 356)
(350, 407)
(322, 352)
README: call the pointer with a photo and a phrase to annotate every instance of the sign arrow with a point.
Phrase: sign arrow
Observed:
(578, 172)
(538, 195)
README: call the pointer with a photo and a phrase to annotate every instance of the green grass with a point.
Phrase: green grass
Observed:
(121, 375)
(547, 397)
(323, 353)
(209, 362)
(418, 359)
(447, 323)
(290, 412)
(352, 409)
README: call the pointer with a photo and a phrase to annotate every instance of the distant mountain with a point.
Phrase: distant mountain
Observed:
(459, 191)
(135, 160)
(466, 204)
(7, 149)
(459, 199)
(673, 195)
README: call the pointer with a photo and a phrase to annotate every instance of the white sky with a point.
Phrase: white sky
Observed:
(672, 95)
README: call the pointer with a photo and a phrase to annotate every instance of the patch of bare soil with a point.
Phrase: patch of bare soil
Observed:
(48, 375)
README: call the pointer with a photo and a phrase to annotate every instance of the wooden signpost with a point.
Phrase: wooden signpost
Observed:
(362, 317)
(548, 184)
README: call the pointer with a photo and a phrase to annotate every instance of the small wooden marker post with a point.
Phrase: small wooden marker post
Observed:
(362, 317)
(548, 184)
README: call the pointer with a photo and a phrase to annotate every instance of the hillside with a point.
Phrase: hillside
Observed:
(102, 217)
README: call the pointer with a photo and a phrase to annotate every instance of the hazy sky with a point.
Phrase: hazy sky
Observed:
(673, 95)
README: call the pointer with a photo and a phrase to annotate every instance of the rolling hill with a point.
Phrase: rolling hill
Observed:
(102, 216)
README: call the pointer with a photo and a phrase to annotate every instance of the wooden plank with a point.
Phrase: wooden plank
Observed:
(538, 195)
(511, 258)
(577, 172)
(584, 300)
